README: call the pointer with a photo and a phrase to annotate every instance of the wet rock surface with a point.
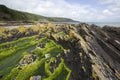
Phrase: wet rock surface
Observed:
(89, 51)
(94, 52)
(28, 59)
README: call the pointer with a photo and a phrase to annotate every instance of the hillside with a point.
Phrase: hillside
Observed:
(7, 14)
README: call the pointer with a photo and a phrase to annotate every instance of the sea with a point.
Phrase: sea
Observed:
(102, 24)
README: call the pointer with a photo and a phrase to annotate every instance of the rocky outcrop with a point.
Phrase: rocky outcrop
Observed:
(94, 52)
(27, 59)
(35, 77)
(89, 52)
(14, 34)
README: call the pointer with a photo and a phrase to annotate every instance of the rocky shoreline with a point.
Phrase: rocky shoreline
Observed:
(90, 52)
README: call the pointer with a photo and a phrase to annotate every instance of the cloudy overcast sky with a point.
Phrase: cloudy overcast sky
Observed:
(81, 10)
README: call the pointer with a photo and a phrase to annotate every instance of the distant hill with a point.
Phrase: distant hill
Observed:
(7, 14)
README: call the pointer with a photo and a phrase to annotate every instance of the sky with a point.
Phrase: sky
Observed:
(80, 10)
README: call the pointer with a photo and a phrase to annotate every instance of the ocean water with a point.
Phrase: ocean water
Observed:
(65, 22)
(101, 24)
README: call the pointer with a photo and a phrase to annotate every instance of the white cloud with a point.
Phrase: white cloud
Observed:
(61, 8)
(107, 1)
(107, 12)
(112, 11)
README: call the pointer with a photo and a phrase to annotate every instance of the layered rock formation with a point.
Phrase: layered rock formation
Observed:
(72, 52)
(94, 51)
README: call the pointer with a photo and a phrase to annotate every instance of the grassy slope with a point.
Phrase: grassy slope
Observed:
(7, 14)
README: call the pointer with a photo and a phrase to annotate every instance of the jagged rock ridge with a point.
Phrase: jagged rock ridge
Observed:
(76, 52)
